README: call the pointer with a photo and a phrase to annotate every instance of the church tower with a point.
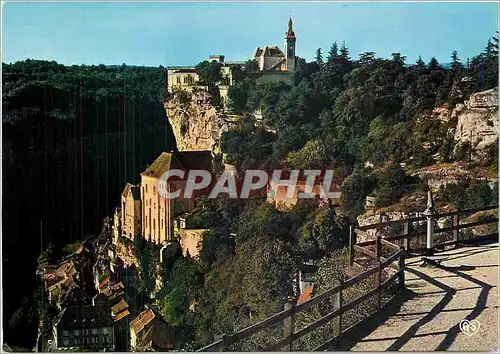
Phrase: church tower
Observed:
(290, 40)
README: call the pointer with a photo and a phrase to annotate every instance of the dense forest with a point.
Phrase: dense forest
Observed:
(73, 136)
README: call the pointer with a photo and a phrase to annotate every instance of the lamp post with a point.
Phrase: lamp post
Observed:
(429, 213)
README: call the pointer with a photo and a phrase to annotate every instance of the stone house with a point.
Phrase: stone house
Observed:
(159, 211)
(181, 78)
(148, 331)
(130, 212)
(84, 328)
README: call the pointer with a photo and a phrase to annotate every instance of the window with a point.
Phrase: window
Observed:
(186, 78)
(146, 188)
(154, 224)
(149, 201)
(65, 342)
(178, 79)
(154, 190)
(94, 330)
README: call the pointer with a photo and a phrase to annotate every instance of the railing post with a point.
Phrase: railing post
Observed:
(378, 282)
(337, 321)
(430, 212)
(378, 246)
(401, 267)
(288, 322)
(407, 232)
(352, 242)
(456, 231)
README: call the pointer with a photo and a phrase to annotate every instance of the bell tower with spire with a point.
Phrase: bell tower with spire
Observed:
(290, 40)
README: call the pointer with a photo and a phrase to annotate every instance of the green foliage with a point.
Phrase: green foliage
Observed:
(392, 184)
(312, 155)
(467, 194)
(354, 190)
(209, 72)
(184, 282)
(322, 233)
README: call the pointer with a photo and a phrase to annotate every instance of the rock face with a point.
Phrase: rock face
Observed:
(478, 119)
(445, 173)
(197, 124)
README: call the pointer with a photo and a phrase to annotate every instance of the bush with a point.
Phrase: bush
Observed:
(393, 184)
(354, 190)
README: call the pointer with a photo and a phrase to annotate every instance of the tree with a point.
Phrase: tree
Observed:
(391, 185)
(433, 64)
(333, 53)
(209, 72)
(354, 190)
(251, 67)
(311, 155)
(456, 66)
(495, 44)
(366, 58)
(420, 62)
(319, 57)
(398, 58)
(344, 52)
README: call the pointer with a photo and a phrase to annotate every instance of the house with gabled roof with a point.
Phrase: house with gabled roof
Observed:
(149, 331)
(84, 327)
(158, 210)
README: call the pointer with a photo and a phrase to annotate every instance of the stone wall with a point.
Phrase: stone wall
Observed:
(190, 240)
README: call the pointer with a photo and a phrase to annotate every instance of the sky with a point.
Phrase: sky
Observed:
(173, 33)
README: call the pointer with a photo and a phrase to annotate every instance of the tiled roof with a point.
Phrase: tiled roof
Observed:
(306, 295)
(79, 317)
(257, 52)
(272, 51)
(190, 160)
(162, 164)
(120, 306)
(141, 321)
(121, 315)
(134, 189)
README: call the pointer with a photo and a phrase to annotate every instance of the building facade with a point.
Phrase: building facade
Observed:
(131, 212)
(84, 328)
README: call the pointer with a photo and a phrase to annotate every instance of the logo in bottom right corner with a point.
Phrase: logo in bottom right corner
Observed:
(469, 327)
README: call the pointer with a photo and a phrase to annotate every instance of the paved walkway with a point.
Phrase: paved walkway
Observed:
(428, 317)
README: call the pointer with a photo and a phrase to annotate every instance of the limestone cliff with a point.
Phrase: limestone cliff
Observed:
(196, 123)
(478, 119)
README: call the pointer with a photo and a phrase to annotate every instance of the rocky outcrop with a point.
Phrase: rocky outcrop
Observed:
(445, 173)
(477, 119)
(197, 124)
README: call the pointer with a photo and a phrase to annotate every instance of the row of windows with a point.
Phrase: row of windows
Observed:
(77, 332)
(105, 339)
(188, 80)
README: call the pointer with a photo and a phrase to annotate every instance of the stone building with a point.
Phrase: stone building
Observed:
(158, 211)
(273, 64)
(130, 212)
(84, 328)
(150, 332)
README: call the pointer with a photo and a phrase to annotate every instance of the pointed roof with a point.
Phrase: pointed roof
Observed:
(290, 33)
(186, 160)
(131, 188)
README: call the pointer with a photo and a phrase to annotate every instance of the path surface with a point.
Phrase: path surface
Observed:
(437, 300)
